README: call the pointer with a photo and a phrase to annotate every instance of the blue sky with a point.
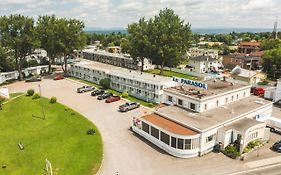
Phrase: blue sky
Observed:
(119, 13)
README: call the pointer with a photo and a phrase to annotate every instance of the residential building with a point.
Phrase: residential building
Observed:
(37, 55)
(244, 61)
(6, 76)
(204, 64)
(195, 52)
(204, 43)
(195, 120)
(248, 76)
(120, 60)
(114, 49)
(248, 47)
(141, 85)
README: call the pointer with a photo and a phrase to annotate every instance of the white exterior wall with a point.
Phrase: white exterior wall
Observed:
(202, 105)
(278, 91)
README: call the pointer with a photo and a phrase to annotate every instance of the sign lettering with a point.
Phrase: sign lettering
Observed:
(190, 82)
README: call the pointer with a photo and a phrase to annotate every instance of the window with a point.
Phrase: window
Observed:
(187, 144)
(165, 138)
(195, 143)
(210, 138)
(170, 99)
(217, 103)
(145, 127)
(179, 102)
(154, 132)
(206, 106)
(192, 106)
(244, 94)
(174, 142)
(236, 61)
(180, 143)
(232, 98)
(237, 96)
(226, 100)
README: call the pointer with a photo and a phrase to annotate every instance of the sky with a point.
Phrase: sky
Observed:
(119, 13)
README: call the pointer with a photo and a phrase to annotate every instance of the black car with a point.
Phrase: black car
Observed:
(97, 92)
(277, 146)
(105, 96)
(33, 79)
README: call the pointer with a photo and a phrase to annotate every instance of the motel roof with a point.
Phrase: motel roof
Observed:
(124, 73)
(104, 53)
(244, 124)
(168, 125)
(214, 117)
(215, 87)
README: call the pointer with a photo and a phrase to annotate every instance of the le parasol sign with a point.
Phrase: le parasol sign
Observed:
(4, 93)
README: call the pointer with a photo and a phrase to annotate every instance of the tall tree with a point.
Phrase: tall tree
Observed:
(170, 38)
(47, 33)
(271, 62)
(70, 37)
(139, 41)
(18, 34)
(271, 44)
(6, 61)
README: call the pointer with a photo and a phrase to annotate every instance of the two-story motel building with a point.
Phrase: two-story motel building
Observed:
(141, 85)
(195, 119)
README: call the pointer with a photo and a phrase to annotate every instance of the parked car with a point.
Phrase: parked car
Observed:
(252, 89)
(277, 146)
(97, 92)
(58, 77)
(259, 91)
(85, 89)
(33, 79)
(112, 99)
(104, 96)
(129, 106)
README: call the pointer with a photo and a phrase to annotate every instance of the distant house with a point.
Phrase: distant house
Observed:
(248, 47)
(204, 43)
(194, 52)
(204, 64)
(114, 49)
(244, 61)
(245, 75)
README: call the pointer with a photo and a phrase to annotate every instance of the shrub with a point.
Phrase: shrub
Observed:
(150, 104)
(53, 100)
(232, 151)
(125, 94)
(36, 96)
(105, 83)
(263, 82)
(30, 92)
(91, 131)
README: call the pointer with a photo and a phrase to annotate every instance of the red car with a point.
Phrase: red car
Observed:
(58, 77)
(259, 91)
(112, 99)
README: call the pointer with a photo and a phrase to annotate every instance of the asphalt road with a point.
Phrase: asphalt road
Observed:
(124, 152)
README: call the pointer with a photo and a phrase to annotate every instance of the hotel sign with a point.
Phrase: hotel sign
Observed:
(190, 82)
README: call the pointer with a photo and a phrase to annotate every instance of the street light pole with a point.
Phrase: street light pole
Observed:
(42, 106)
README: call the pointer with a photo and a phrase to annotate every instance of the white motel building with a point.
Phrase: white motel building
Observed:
(197, 116)
(141, 85)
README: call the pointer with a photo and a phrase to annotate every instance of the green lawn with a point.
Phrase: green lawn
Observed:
(61, 138)
(171, 74)
(144, 103)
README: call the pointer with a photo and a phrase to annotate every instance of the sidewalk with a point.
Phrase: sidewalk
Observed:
(264, 162)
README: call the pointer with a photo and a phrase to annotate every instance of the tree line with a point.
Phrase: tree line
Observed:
(21, 35)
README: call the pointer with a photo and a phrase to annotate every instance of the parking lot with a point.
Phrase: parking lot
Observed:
(125, 152)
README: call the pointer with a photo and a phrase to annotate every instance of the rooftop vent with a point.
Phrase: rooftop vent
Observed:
(154, 75)
(130, 71)
(232, 84)
(141, 73)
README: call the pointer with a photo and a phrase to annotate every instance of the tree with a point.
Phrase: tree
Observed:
(47, 32)
(170, 38)
(105, 83)
(271, 44)
(70, 37)
(271, 62)
(6, 61)
(18, 34)
(139, 41)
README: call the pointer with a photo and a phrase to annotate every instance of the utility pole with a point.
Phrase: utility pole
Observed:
(42, 106)
(250, 71)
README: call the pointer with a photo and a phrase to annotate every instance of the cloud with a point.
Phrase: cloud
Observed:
(119, 13)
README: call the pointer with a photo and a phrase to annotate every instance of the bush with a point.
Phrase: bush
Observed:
(232, 151)
(91, 131)
(263, 83)
(36, 96)
(105, 83)
(53, 100)
(150, 104)
(125, 94)
(30, 92)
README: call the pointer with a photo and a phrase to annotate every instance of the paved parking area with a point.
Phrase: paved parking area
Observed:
(124, 152)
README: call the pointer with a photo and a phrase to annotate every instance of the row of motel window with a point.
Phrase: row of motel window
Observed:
(192, 105)
(177, 143)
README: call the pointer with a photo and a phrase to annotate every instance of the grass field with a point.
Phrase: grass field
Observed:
(171, 74)
(61, 138)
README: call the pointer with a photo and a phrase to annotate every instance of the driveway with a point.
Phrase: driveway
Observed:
(124, 152)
